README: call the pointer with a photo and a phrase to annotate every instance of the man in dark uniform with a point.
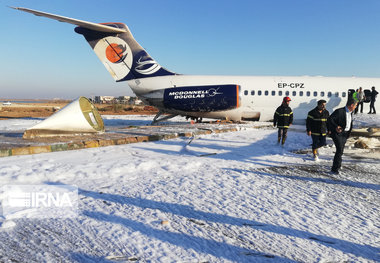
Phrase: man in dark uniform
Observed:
(283, 117)
(316, 126)
(340, 126)
(372, 109)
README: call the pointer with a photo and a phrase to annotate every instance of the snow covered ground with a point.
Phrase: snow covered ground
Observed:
(232, 197)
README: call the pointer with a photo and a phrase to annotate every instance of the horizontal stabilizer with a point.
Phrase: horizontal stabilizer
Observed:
(81, 23)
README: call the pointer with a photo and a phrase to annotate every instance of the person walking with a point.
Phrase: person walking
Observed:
(340, 125)
(316, 126)
(360, 98)
(372, 109)
(283, 118)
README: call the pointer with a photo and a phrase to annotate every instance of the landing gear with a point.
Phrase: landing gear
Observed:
(156, 118)
(160, 117)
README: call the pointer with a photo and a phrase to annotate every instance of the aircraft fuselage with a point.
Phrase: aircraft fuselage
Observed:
(261, 94)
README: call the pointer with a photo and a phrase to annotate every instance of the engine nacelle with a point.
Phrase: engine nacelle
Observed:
(202, 98)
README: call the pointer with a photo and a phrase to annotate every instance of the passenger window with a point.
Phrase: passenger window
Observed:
(329, 94)
(336, 94)
(252, 92)
(280, 93)
(322, 93)
(273, 93)
(308, 93)
(266, 93)
(246, 92)
(287, 93)
(344, 94)
(301, 93)
(294, 93)
(315, 94)
(259, 93)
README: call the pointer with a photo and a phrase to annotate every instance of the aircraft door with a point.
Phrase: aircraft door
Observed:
(350, 93)
(367, 95)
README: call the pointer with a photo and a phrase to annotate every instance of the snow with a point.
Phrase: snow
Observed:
(366, 120)
(229, 197)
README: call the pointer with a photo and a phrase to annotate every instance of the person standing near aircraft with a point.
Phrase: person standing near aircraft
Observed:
(283, 118)
(360, 98)
(372, 109)
(316, 126)
(340, 125)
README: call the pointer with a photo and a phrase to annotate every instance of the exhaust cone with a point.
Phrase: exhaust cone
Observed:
(78, 117)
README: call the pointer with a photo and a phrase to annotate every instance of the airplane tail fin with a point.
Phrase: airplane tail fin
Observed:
(120, 53)
(115, 46)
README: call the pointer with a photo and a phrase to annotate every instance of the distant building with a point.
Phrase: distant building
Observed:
(127, 100)
(104, 99)
(124, 99)
(138, 102)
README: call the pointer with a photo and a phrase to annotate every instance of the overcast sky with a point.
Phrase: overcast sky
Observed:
(42, 58)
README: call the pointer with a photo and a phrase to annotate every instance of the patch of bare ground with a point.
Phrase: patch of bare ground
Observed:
(45, 109)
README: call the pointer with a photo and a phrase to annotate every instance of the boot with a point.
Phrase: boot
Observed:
(278, 140)
(283, 141)
(315, 155)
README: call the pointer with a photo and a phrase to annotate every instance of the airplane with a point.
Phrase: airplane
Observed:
(235, 98)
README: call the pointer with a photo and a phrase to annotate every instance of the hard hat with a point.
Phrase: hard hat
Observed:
(286, 99)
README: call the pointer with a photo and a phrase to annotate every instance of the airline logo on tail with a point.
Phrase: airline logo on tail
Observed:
(147, 67)
(116, 55)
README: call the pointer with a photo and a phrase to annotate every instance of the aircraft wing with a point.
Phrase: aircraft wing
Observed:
(85, 24)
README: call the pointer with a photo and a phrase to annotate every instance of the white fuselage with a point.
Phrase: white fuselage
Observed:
(264, 94)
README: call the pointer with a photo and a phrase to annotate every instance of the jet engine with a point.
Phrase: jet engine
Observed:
(202, 98)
